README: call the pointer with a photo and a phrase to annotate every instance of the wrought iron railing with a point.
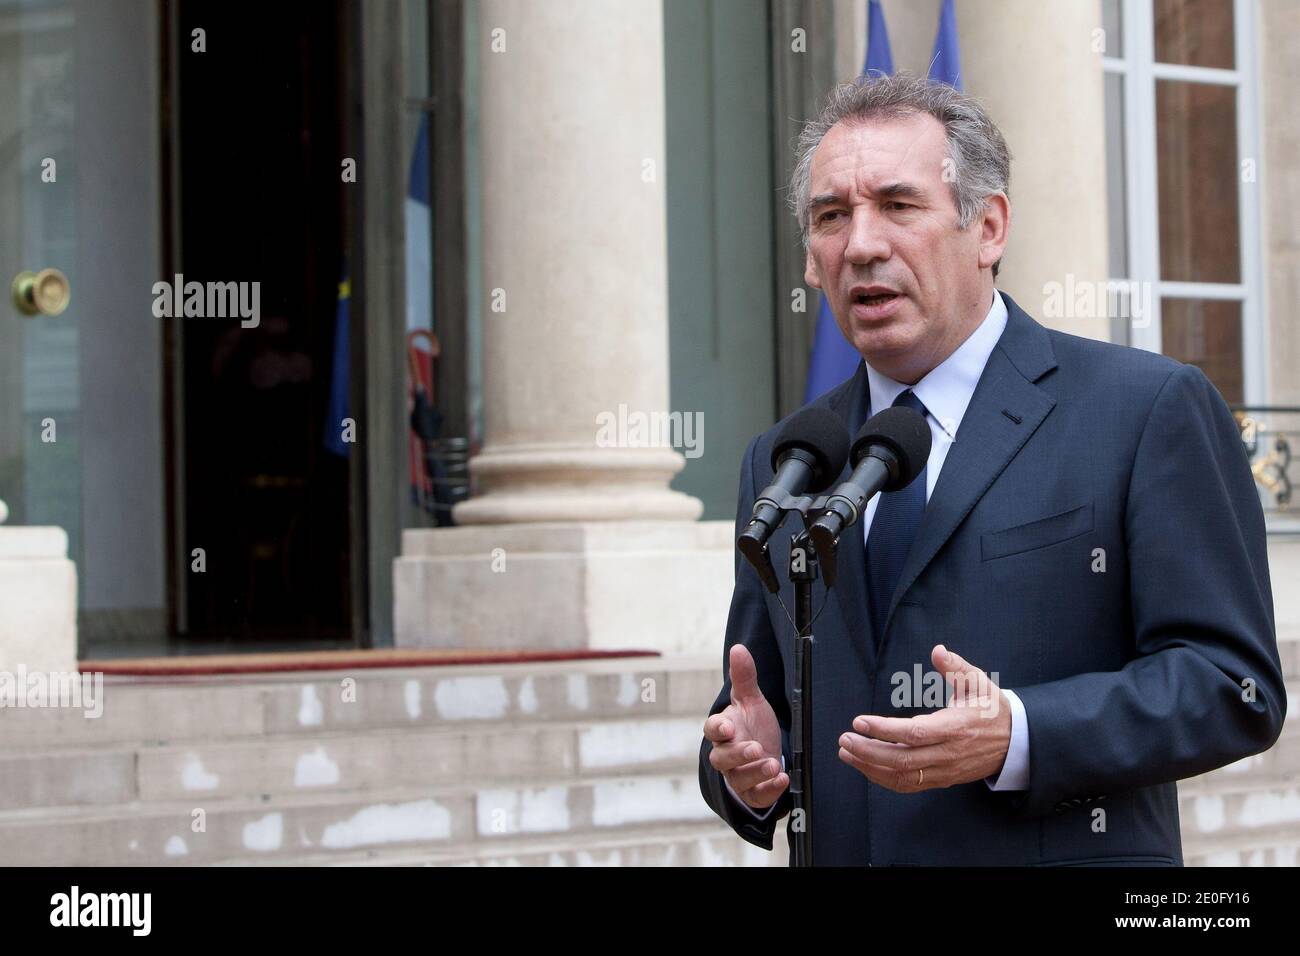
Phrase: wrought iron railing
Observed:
(1270, 433)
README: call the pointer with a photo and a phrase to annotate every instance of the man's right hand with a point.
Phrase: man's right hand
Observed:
(747, 738)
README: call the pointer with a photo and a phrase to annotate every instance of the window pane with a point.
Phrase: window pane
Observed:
(1110, 22)
(1206, 333)
(1196, 168)
(1194, 32)
(1115, 186)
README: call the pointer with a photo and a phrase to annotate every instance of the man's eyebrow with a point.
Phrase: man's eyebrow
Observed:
(893, 190)
(887, 191)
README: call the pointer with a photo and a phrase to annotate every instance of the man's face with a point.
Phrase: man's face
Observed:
(905, 284)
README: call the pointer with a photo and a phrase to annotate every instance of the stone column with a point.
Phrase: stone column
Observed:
(574, 228)
(1035, 67)
(1279, 131)
(573, 540)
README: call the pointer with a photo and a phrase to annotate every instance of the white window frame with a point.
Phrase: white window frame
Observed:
(1142, 227)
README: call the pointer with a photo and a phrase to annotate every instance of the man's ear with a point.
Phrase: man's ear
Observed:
(995, 229)
(810, 271)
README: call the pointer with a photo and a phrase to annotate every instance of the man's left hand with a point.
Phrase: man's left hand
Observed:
(964, 742)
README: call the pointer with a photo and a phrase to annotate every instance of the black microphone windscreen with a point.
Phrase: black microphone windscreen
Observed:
(821, 433)
(907, 435)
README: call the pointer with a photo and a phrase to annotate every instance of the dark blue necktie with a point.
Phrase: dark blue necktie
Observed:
(893, 529)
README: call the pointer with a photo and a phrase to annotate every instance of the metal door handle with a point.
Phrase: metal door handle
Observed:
(41, 293)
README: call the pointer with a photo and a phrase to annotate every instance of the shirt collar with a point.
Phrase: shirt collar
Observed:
(947, 389)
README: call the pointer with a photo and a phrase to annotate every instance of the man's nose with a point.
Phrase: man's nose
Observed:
(868, 239)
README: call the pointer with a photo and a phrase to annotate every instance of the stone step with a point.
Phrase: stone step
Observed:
(428, 753)
(1236, 805)
(424, 818)
(1267, 847)
(307, 703)
(242, 707)
(427, 763)
(709, 844)
(293, 763)
(1288, 650)
(1249, 821)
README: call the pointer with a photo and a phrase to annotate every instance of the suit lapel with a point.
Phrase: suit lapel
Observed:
(1005, 410)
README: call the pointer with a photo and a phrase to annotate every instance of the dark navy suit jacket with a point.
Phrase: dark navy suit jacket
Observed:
(1161, 666)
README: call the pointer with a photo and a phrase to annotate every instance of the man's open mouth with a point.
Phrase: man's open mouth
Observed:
(875, 299)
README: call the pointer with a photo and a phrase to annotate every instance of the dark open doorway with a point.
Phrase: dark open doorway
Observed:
(260, 131)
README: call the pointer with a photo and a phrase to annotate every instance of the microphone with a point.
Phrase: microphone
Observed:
(807, 455)
(890, 451)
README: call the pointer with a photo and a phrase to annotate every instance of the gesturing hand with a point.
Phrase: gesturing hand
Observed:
(965, 741)
(747, 737)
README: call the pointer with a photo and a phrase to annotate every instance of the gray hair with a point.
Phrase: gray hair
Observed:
(981, 163)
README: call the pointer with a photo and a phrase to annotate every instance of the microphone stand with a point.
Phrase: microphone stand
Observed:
(803, 571)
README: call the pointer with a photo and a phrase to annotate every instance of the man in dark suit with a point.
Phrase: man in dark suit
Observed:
(1068, 610)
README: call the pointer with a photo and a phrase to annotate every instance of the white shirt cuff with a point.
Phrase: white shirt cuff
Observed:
(1015, 769)
(757, 816)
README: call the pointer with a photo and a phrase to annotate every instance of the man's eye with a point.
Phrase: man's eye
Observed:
(898, 205)
(826, 215)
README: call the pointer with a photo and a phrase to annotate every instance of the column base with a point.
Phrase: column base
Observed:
(579, 508)
(622, 585)
(38, 601)
(563, 484)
